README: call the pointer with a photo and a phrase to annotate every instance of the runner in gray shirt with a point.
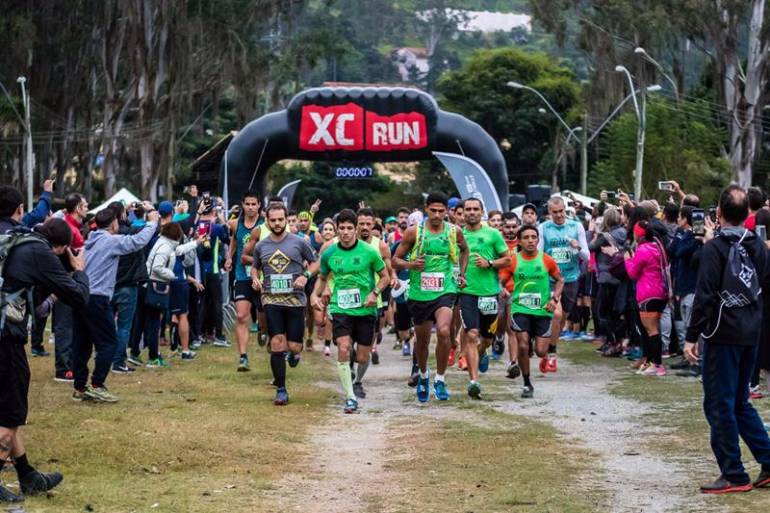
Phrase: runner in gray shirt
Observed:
(279, 273)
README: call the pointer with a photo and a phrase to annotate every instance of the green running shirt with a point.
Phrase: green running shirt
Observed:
(437, 279)
(490, 245)
(354, 271)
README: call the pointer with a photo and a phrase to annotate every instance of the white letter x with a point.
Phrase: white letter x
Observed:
(322, 128)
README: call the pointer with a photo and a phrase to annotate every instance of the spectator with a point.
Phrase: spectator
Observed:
(757, 200)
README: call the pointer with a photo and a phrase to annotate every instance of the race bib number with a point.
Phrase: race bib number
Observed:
(529, 300)
(562, 255)
(281, 284)
(432, 282)
(488, 305)
(247, 270)
(349, 298)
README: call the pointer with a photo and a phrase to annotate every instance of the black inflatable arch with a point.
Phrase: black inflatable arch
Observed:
(359, 125)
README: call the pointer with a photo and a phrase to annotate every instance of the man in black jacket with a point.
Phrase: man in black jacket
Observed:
(731, 334)
(34, 263)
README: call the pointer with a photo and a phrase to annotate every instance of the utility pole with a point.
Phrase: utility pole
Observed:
(28, 128)
(584, 155)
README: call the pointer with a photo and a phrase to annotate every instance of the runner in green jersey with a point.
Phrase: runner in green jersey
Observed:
(353, 303)
(432, 247)
(478, 300)
(528, 280)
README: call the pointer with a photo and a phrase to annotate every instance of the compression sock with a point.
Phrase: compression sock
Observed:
(360, 371)
(527, 382)
(551, 348)
(244, 355)
(23, 467)
(278, 366)
(343, 369)
(656, 349)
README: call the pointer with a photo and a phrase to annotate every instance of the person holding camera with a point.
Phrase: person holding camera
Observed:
(32, 262)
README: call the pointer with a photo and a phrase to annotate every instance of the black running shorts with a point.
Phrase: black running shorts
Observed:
(286, 320)
(473, 319)
(402, 317)
(243, 291)
(14, 383)
(536, 325)
(423, 311)
(568, 297)
(360, 328)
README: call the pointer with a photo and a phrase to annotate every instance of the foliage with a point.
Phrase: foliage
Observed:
(681, 145)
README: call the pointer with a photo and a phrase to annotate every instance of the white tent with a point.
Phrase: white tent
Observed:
(123, 195)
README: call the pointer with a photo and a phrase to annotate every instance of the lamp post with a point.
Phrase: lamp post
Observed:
(641, 115)
(643, 53)
(28, 128)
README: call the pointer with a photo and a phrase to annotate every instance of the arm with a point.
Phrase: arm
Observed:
(464, 255)
(636, 263)
(371, 298)
(706, 291)
(232, 225)
(596, 244)
(70, 290)
(583, 245)
(386, 257)
(129, 243)
(316, 298)
(558, 287)
(247, 257)
(160, 267)
(185, 248)
(407, 243)
(540, 240)
(41, 210)
(506, 274)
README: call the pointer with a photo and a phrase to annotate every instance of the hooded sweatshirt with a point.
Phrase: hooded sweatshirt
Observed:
(646, 269)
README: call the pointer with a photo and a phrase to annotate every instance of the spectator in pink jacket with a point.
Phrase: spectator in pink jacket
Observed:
(648, 267)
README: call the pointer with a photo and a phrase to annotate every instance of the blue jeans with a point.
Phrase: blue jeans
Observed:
(94, 331)
(124, 305)
(726, 373)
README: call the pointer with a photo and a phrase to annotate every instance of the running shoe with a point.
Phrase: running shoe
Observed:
(254, 328)
(327, 351)
(544, 365)
(292, 359)
(413, 379)
(136, 360)
(462, 363)
(351, 406)
(440, 391)
(527, 392)
(498, 347)
(375, 358)
(722, 485)
(64, 377)
(406, 350)
(195, 344)
(643, 368)
(484, 363)
(692, 371)
(568, 335)
(452, 356)
(80, 396)
(281, 397)
(397, 345)
(358, 390)
(681, 364)
(39, 351)
(474, 390)
(262, 340)
(188, 355)
(634, 354)
(666, 355)
(122, 369)
(100, 394)
(553, 364)
(37, 482)
(157, 363)
(587, 337)
(7, 496)
(243, 364)
(513, 371)
(423, 389)
(221, 342)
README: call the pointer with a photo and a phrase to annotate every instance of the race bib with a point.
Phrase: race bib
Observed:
(529, 300)
(488, 305)
(247, 270)
(432, 282)
(562, 255)
(349, 298)
(281, 284)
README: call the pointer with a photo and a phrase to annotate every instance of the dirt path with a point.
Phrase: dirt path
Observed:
(355, 448)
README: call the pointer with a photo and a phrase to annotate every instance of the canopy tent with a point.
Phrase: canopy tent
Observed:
(123, 195)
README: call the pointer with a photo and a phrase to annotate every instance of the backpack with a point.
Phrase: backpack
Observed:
(740, 281)
(420, 237)
(14, 306)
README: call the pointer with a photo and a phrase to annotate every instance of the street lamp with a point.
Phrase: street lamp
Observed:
(28, 128)
(517, 85)
(643, 53)
(641, 116)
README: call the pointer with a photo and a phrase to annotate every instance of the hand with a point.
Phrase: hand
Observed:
(461, 283)
(710, 229)
(153, 217)
(395, 284)
(228, 264)
(371, 300)
(361, 204)
(198, 286)
(677, 189)
(504, 294)
(691, 352)
(300, 282)
(418, 264)
(315, 206)
(147, 206)
(326, 296)
(627, 255)
(48, 186)
(610, 251)
(574, 243)
(78, 262)
(317, 302)
(256, 284)
(551, 305)
(480, 262)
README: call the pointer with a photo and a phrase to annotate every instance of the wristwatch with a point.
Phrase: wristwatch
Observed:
(307, 274)
(376, 291)
(491, 263)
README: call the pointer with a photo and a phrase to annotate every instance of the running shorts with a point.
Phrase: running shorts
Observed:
(536, 325)
(243, 291)
(179, 302)
(569, 297)
(402, 317)
(473, 319)
(652, 306)
(423, 311)
(286, 320)
(360, 328)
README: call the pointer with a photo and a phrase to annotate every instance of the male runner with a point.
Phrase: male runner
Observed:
(243, 293)
(529, 214)
(281, 257)
(565, 241)
(456, 330)
(353, 304)
(528, 278)
(478, 300)
(364, 226)
(509, 230)
(433, 247)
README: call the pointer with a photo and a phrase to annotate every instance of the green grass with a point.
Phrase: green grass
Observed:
(676, 404)
(195, 437)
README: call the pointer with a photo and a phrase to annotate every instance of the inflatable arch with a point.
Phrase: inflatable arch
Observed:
(357, 125)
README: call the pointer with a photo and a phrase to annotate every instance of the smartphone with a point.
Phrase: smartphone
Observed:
(713, 214)
(611, 196)
(666, 186)
(206, 196)
(698, 222)
(203, 229)
(761, 232)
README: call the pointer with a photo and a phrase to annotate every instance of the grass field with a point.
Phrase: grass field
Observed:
(195, 437)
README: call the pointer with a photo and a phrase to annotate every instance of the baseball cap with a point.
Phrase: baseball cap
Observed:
(390, 219)
(529, 206)
(304, 215)
(414, 218)
(165, 208)
(452, 203)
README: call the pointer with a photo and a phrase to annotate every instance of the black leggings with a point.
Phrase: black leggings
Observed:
(608, 318)
(212, 305)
